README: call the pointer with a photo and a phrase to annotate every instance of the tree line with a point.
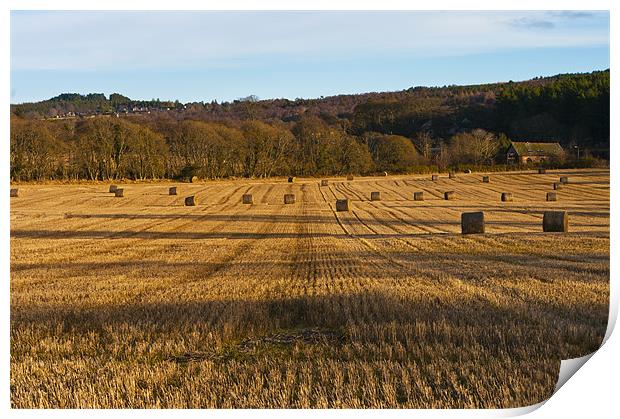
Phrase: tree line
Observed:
(105, 148)
(420, 129)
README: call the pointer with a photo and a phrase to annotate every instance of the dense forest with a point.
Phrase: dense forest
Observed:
(420, 129)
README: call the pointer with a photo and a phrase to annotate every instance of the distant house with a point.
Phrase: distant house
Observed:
(526, 152)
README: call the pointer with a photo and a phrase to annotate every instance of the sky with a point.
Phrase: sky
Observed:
(226, 55)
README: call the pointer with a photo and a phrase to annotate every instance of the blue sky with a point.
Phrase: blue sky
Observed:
(201, 56)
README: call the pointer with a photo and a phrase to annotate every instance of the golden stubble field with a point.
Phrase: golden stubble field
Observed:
(142, 302)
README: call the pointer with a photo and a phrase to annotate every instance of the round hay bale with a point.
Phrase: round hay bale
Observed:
(342, 205)
(541, 171)
(247, 198)
(14, 192)
(112, 188)
(172, 190)
(193, 179)
(555, 221)
(385, 173)
(506, 197)
(291, 179)
(350, 177)
(449, 195)
(485, 179)
(552, 196)
(435, 178)
(418, 196)
(472, 222)
(191, 201)
(324, 182)
(375, 196)
(289, 198)
(557, 186)
(468, 171)
(564, 179)
(452, 175)
(119, 192)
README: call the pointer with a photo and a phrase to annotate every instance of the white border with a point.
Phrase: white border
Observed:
(593, 389)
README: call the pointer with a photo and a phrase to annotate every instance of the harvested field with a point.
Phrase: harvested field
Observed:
(144, 302)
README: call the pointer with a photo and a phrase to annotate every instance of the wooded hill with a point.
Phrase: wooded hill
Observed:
(432, 126)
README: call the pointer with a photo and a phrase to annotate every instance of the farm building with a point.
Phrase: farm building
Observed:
(526, 152)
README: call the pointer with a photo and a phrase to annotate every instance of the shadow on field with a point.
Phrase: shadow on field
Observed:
(468, 266)
(306, 218)
(369, 317)
(534, 226)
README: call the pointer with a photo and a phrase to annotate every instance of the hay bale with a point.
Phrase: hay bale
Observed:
(541, 171)
(289, 198)
(506, 197)
(193, 179)
(485, 179)
(119, 192)
(434, 178)
(452, 175)
(342, 205)
(247, 198)
(552, 196)
(172, 190)
(14, 192)
(472, 222)
(468, 171)
(191, 201)
(449, 195)
(557, 186)
(555, 221)
(291, 179)
(418, 196)
(385, 173)
(350, 177)
(112, 188)
(375, 196)
(564, 179)
(324, 182)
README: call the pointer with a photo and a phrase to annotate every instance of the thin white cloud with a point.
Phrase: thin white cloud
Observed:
(134, 40)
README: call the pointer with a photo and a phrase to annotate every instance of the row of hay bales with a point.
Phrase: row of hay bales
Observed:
(374, 196)
(553, 222)
(451, 195)
(119, 192)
